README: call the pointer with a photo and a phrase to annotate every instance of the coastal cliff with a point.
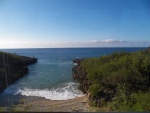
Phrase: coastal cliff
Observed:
(80, 75)
(116, 82)
(13, 67)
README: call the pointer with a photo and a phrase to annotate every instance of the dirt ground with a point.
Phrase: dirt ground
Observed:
(37, 104)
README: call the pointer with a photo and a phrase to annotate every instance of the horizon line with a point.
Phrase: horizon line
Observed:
(78, 47)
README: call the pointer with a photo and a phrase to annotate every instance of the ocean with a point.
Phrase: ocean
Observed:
(51, 77)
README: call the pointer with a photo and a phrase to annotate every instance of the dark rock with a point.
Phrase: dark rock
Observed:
(77, 61)
(80, 76)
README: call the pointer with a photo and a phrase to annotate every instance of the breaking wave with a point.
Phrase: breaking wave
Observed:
(68, 91)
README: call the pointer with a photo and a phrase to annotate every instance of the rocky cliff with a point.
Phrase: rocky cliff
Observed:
(13, 67)
(80, 76)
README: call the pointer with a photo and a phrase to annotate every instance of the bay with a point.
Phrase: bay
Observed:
(51, 77)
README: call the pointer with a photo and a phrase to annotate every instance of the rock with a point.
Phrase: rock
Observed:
(80, 76)
(77, 61)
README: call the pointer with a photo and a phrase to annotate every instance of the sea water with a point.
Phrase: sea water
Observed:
(51, 77)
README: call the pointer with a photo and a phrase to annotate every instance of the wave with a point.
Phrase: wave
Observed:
(68, 91)
(75, 64)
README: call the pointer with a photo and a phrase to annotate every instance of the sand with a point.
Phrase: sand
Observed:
(40, 104)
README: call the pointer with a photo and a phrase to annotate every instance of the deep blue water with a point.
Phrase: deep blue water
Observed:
(51, 76)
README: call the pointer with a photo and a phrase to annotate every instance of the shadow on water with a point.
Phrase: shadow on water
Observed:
(6, 100)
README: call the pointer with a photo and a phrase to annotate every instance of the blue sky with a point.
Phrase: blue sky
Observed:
(74, 23)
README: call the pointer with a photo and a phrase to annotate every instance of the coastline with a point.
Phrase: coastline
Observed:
(111, 84)
(32, 103)
(13, 67)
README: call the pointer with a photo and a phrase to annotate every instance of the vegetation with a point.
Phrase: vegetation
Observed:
(12, 67)
(120, 81)
(2, 109)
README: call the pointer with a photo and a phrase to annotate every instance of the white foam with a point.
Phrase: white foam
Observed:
(69, 91)
(75, 64)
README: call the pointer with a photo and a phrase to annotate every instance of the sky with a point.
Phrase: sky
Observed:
(74, 23)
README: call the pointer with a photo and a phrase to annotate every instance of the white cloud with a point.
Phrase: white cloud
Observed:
(91, 43)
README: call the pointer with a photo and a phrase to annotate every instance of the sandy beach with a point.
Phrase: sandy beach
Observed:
(39, 104)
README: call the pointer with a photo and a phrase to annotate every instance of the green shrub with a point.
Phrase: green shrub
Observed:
(94, 89)
(126, 73)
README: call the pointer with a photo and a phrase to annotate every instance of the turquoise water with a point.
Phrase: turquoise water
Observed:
(51, 76)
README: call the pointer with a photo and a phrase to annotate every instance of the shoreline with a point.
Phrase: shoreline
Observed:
(32, 103)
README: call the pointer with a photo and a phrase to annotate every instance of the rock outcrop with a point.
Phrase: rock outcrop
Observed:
(13, 67)
(80, 76)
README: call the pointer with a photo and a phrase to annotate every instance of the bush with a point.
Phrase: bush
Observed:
(123, 77)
